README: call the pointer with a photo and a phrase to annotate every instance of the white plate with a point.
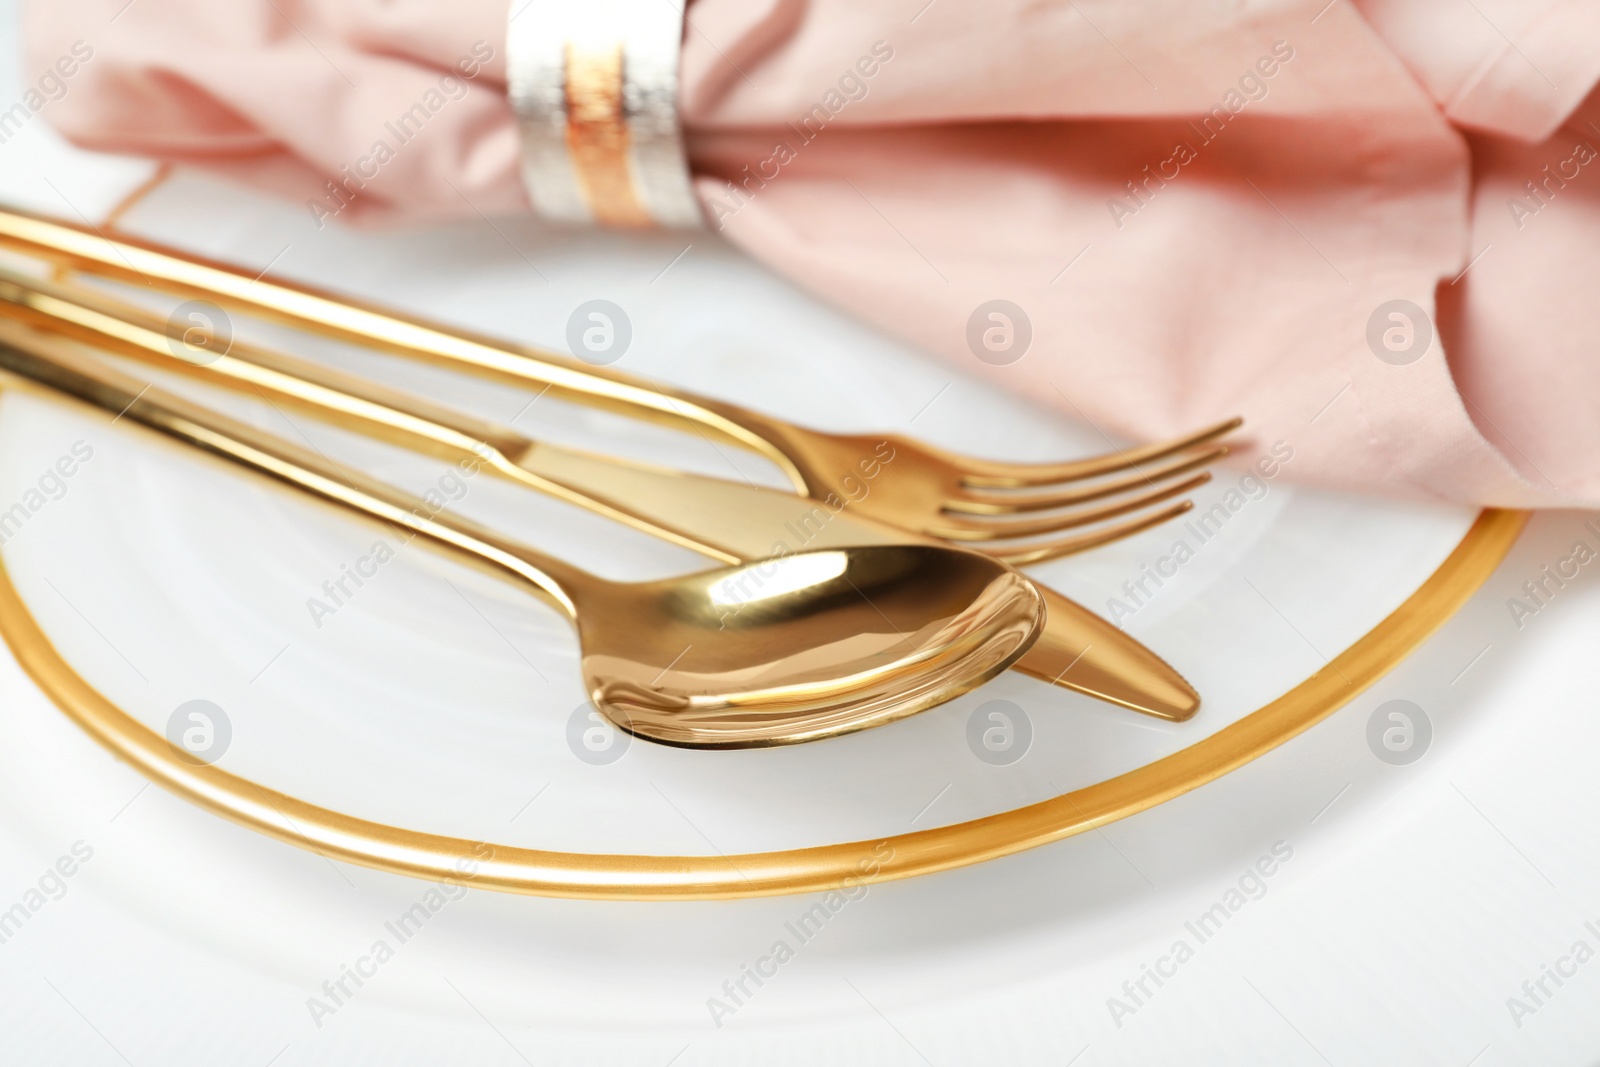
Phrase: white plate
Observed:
(431, 697)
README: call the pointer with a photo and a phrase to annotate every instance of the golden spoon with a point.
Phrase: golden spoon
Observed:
(784, 650)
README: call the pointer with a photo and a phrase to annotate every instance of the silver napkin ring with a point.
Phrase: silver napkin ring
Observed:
(594, 84)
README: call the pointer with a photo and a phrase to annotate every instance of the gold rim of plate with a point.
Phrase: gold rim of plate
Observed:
(604, 876)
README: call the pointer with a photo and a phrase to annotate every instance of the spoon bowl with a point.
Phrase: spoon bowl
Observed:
(802, 647)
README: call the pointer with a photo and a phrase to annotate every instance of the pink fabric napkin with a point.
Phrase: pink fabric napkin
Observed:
(1364, 227)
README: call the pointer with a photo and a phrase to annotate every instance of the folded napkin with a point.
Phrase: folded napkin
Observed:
(1364, 227)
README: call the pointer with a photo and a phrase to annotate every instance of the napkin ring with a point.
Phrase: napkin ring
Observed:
(594, 85)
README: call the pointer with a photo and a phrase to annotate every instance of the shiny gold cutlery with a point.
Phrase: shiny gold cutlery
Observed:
(925, 490)
(806, 646)
(729, 521)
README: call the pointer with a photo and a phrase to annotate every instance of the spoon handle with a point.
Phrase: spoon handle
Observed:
(46, 361)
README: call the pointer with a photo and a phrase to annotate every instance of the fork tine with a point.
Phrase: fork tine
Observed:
(1010, 502)
(996, 475)
(961, 529)
(1023, 555)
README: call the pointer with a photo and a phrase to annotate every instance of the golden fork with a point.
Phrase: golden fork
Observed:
(798, 648)
(730, 521)
(926, 490)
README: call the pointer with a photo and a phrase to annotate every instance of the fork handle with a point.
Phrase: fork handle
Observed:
(347, 319)
(48, 362)
(731, 522)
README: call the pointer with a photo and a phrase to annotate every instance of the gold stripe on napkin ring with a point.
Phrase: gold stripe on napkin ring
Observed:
(594, 87)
